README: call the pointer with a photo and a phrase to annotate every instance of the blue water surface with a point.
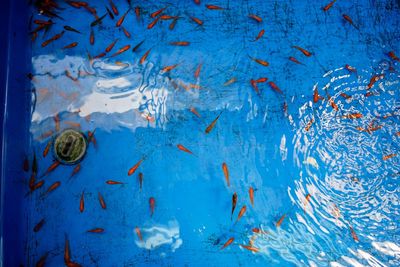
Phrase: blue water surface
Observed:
(326, 184)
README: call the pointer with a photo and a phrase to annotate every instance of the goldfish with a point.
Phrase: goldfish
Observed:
(349, 20)
(227, 243)
(261, 62)
(393, 56)
(275, 87)
(214, 7)
(91, 37)
(241, 212)
(197, 72)
(234, 201)
(82, 203)
(194, 111)
(140, 177)
(122, 18)
(316, 96)
(308, 126)
(112, 182)
(346, 96)
(197, 2)
(109, 13)
(251, 195)
(374, 79)
(389, 156)
(181, 147)
(37, 185)
(308, 197)
(172, 25)
(91, 138)
(350, 68)
(279, 222)
(111, 46)
(98, 21)
(113, 7)
(368, 94)
(144, 57)
(212, 124)
(134, 168)
(96, 230)
(230, 81)
(71, 45)
(302, 50)
(76, 4)
(57, 122)
(254, 85)
(53, 187)
(168, 17)
(255, 17)
(328, 6)
(52, 167)
(198, 21)
(158, 12)
(152, 203)
(39, 226)
(137, 12)
(127, 34)
(52, 39)
(398, 133)
(251, 248)
(67, 255)
(169, 68)
(76, 170)
(353, 116)
(101, 200)
(353, 234)
(137, 230)
(259, 35)
(42, 261)
(295, 60)
(180, 43)
(137, 46)
(154, 22)
(121, 50)
(226, 172)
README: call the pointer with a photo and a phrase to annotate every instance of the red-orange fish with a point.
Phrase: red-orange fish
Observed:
(158, 12)
(316, 95)
(308, 198)
(134, 168)
(71, 45)
(47, 148)
(194, 111)
(259, 35)
(353, 116)
(241, 212)
(279, 222)
(37, 185)
(393, 56)
(227, 243)
(144, 57)
(180, 43)
(197, 72)
(389, 156)
(309, 124)
(169, 68)
(122, 18)
(96, 230)
(139, 234)
(168, 17)
(82, 202)
(152, 203)
(181, 147)
(353, 234)
(101, 200)
(127, 34)
(53, 187)
(111, 46)
(295, 60)
(328, 6)
(212, 124)
(349, 20)
(173, 23)
(197, 2)
(112, 182)
(260, 61)
(350, 68)
(52, 167)
(121, 50)
(91, 37)
(39, 226)
(234, 202)
(214, 7)
(52, 39)
(154, 22)
(114, 8)
(251, 195)
(226, 172)
(42, 261)
(255, 17)
(302, 50)
(251, 248)
(76, 170)
(197, 20)
(275, 87)
(374, 79)
(346, 96)
(254, 85)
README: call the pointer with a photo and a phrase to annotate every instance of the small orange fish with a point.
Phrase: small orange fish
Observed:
(198, 21)
(42, 261)
(52, 167)
(194, 111)
(152, 203)
(398, 133)
(96, 230)
(302, 50)
(140, 177)
(316, 96)
(308, 126)
(389, 156)
(158, 12)
(368, 94)
(197, 72)
(350, 68)
(110, 47)
(172, 25)
(127, 34)
(134, 168)
(71, 45)
(214, 7)
(67, 254)
(137, 12)
(121, 50)
(91, 37)
(230, 81)
(353, 116)
(275, 87)
(53, 187)
(374, 79)
(122, 18)
(295, 60)
(212, 124)
(47, 148)
(393, 56)
(328, 6)
(112, 182)
(154, 22)
(241, 212)
(52, 39)
(308, 198)
(101, 200)
(255, 86)
(144, 57)
(227, 243)
(139, 234)
(234, 201)
(251, 195)
(181, 147)
(39, 226)
(353, 234)
(346, 96)
(169, 68)
(114, 8)
(82, 203)
(181, 43)
(259, 35)
(168, 17)
(349, 20)
(37, 185)
(278, 224)
(76, 170)
(255, 17)
(103, 54)
(226, 172)
(197, 2)
(251, 248)
(261, 62)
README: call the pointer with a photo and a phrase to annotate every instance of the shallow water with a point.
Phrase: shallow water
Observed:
(326, 173)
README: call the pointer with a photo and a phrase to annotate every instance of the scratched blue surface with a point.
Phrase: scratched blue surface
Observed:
(285, 146)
